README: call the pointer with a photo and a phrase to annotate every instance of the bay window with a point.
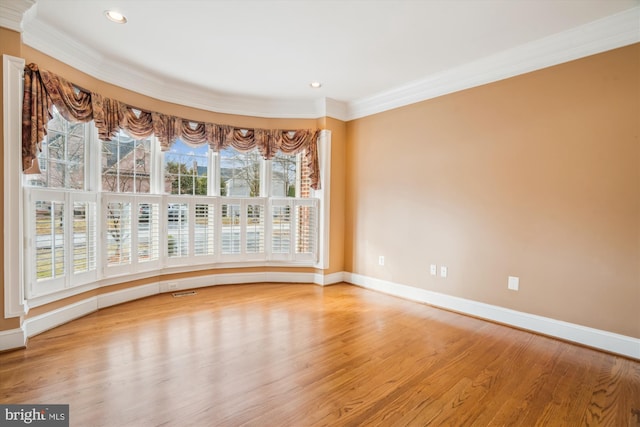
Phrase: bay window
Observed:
(111, 202)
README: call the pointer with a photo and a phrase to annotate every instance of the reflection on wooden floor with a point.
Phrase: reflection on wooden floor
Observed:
(304, 355)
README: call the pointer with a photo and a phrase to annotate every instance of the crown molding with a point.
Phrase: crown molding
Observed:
(12, 12)
(605, 34)
(608, 33)
(52, 42)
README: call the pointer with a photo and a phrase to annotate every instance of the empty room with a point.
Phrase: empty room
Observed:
(320, 213)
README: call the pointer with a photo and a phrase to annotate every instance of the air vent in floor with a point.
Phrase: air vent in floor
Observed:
(183, 294)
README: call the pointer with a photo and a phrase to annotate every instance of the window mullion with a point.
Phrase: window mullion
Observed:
(156, 168)
(213, 174)
(265, 177)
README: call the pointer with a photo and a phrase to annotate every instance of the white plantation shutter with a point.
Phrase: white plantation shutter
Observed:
(282, 229)
(294, 229)
(84, 238)
(306, 229)
(255, 227)
(46, 211)
(204, 233)
(281, 213)
(118, 231)
(147, 236)
(62, 230)
(178, 221)
(231, 229)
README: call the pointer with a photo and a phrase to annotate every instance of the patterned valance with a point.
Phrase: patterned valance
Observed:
(43, 90)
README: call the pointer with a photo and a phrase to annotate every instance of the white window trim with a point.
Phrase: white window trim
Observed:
(324, 197)
(14, 300)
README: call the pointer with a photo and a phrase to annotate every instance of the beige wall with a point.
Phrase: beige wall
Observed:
(537, 176)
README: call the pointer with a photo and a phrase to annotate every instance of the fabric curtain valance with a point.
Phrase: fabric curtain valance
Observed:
(43, 90)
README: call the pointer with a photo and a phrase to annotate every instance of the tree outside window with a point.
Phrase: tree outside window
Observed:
(186, 169)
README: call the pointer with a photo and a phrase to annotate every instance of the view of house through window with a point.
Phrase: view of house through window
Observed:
(240, 173)
(62, 159)
(126, 165)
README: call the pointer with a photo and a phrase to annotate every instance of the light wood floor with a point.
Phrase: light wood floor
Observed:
(304, 355)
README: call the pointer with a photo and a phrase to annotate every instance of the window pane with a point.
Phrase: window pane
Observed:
(126, 165)
(56, 143)
(284, 175)
(57, 174)
(240, 173)
(186, 169)
(61, 161)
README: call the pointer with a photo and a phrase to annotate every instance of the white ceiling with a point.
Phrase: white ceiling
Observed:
(266, 52)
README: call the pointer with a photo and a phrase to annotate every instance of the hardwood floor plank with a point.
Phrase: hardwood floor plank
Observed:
(303, 355)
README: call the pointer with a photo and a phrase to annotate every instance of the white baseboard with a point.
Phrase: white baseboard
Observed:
(12, 339)
(608, 341)
(59, 316)
(126, 295)
(236, 279)
(328, 279)
(596, 338)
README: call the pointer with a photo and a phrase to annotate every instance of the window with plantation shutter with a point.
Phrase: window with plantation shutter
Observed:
(148, 232)
(178, 229)
(50, 239)
(204, 234)
(94, 213)
(306, 229)
(281, 228)
(84, 237)
(125, 208)
(255, 228)
(118, 233)
(231, 228)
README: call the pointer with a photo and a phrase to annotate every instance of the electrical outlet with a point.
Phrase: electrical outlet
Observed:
(172, 286)
(443, 271)
(513, 283)
(433, 270)
(381, 260)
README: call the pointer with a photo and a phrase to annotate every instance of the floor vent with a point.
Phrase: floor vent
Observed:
(183, 294)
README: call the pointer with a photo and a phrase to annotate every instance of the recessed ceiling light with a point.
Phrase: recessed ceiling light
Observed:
(116, 17)
(315, 85)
